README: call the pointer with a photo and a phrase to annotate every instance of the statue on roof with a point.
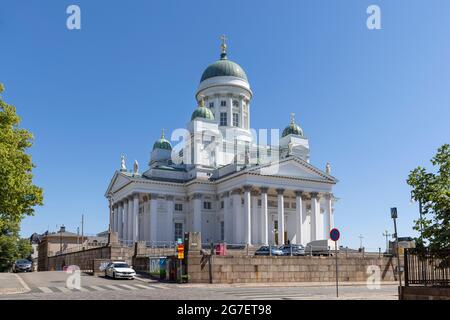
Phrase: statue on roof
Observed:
(328, 168)
(135, 167)
(123, 166)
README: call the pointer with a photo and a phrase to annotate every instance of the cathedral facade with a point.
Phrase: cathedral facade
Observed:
(224, 180)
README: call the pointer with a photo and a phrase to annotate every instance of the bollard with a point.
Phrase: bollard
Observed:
(379, 252)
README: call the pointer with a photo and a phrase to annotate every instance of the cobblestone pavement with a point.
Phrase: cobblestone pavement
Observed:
(52, 285)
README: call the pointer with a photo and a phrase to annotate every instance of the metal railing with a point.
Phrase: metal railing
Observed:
(426, 268)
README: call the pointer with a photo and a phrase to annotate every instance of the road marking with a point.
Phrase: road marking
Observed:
(113, 287)
(143, 286)
(128, 287)
(159, 286)
(26, 287)
(45, 290)
(64, 289)
(97, 288)
(82, 289)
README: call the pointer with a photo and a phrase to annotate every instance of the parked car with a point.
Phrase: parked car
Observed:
(119, 270)
(295, 249)
(22, 265)
(264, 251)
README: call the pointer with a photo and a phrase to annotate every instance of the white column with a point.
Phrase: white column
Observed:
(120, 220)
(227, 218)
(125, 219)
(329, 210)
(130, 219)
(248, 215)
(299, 217)
(135, 217)
(153, 218)
(197, 200)
(114, 218)
(281, 239)
(217, 108)
(170, 225)
(145, 220)
(315, 212)
(247, 102)
(264, 217)
(241, 112)
(236, 196)
(230, 110)
(256, 238)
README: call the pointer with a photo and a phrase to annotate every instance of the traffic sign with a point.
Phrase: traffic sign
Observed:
(335, 234)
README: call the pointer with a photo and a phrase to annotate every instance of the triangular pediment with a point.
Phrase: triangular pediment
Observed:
(117, 182)
(294, 168)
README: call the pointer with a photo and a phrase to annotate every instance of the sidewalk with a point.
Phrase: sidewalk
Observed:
(146, 278)
(11, 283)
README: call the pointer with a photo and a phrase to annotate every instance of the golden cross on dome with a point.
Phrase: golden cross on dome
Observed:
(224, 44)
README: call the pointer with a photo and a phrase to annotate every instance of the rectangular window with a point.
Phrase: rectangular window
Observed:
(178, 231)
(235, 103)
(207, 205)
(178, 207)
(223, 103)
(223, 118)
(222, 204)
(222, 230)
(235, 119)
(211, 105)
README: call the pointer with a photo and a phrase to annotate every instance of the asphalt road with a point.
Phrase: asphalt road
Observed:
(52, 285)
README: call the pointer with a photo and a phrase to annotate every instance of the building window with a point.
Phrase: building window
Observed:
(207, 205)
(223, 118)
(222, 230)
(236, 119)
(211, 105)
(275, 224)
(223, 103)
(178, 207)
(235, 103)
(259, 202)
(178, 231)
(222, 204)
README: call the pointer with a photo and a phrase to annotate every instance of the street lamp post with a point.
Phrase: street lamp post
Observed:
(386, 234)
(394, 217)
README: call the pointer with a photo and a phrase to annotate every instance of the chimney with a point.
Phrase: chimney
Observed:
(62, 229)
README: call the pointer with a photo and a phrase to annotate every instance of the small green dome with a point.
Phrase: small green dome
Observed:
(292, 128)
(202, 112)
(224, 67)
(162, 143)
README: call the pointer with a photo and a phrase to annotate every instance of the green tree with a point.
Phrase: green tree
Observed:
(433, 191)
(18, 194)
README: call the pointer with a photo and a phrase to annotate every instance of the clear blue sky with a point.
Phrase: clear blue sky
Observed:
(375, 104)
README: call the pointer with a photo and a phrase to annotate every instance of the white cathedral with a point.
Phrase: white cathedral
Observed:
(224, 180)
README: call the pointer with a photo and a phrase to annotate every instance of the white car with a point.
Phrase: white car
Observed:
(119, 270)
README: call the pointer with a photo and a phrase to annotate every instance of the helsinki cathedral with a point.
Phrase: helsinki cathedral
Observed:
(224, 179)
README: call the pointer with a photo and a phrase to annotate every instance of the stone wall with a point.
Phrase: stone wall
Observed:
(83, 259)
(251, 269)
(425, 293)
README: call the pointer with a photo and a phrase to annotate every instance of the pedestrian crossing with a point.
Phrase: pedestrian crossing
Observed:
(268, 295)
(103, 287)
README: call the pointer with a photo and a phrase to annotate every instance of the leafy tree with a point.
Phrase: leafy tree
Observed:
(433, 191)
(18, 194)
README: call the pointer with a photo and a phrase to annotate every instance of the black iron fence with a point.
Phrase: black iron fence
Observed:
(426, 268)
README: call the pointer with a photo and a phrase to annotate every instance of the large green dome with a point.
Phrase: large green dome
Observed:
(202, 112)
(162, 143)
(224, 67)
(292, 128)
